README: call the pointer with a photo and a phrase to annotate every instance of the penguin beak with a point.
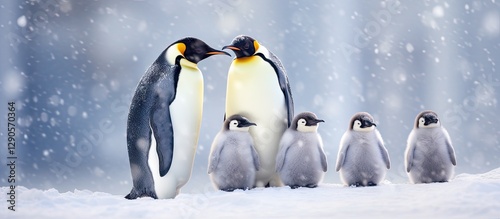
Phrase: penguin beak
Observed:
(217, 52)
(246, 124)
(430, 120)
(231, 47)
(367, 123)
(319, 120)
(315, 122)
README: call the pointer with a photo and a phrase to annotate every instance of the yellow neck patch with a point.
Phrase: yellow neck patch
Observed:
(186, 63)
(245, 59)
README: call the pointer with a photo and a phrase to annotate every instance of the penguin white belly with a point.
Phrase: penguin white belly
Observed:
(253, 91)
(186, 113)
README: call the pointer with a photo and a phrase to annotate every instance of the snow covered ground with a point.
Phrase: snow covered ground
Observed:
(467, 196)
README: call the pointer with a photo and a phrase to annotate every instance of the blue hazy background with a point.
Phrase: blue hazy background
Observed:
(72, 67)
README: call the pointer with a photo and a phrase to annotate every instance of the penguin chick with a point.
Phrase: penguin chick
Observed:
(363, 159)
(233, 159)
(301, 161)
(429, 155)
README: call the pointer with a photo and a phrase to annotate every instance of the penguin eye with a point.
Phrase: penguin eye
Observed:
(234, 123)
(246, 46)
(302, 121)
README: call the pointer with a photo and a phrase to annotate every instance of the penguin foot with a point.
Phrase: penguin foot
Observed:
(361, 184)
(311, 186)
(294, 186)
(134, 194)
(356, 184)
(228, 190)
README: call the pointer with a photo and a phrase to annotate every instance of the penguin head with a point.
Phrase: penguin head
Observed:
(362, 122)
(243, 46)
(427, 119)
(238, 123)
(306, 122)
(189, 51)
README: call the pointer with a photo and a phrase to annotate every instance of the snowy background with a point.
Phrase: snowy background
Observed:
(72, 66)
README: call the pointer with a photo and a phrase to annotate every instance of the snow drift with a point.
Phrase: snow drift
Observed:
(467, 196)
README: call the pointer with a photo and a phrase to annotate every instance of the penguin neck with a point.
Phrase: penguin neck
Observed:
(304, 128)
(432, 125)
(244, 60)
(262, 50)
(173, 53)
(239, 129)
(367, 129)
(187, 64)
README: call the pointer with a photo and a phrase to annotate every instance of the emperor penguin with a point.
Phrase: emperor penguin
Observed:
(363, 159)
(233, 159)
(301, 161)
(429, 155)
(167, 103)
(258, 89)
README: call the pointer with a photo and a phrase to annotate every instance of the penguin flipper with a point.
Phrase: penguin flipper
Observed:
(255, 156)
(410, 149)
(322, 156)
(164, 135)
(383, 151)
(217, 147)
(284, 145)
(280, 159)
(385, 155)
(451, 151)
(284, 84)
(344, 145)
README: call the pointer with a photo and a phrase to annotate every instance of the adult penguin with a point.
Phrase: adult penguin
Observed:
(258, 89)
(167, 103)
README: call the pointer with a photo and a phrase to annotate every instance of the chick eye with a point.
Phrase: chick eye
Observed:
(302, 121)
